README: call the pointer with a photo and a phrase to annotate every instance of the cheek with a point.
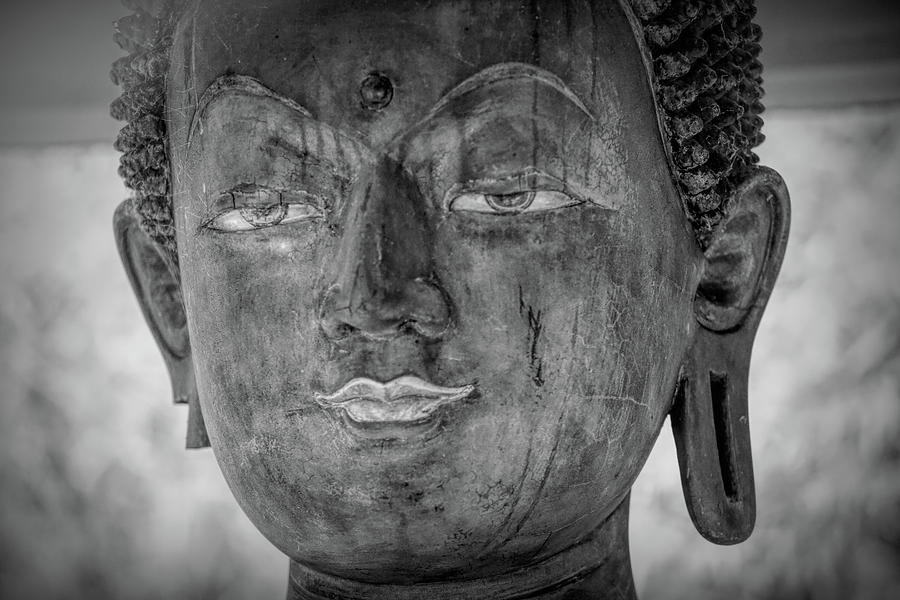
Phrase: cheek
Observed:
(589, 285)
(251, 303)
(595, 312)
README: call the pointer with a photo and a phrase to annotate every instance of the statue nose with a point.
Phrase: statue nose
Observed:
(385, 285)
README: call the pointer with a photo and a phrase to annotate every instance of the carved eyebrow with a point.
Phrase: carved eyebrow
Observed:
(510, 71)
(240, 83)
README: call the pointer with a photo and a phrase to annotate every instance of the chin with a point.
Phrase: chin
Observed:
(435, 505)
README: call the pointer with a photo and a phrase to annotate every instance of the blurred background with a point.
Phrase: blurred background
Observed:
(98, 498)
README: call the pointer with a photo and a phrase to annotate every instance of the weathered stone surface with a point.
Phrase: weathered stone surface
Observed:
(433, 334)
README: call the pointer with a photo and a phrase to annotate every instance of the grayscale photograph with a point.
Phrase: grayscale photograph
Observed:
(450, 300)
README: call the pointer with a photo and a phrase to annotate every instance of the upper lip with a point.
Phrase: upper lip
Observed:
(392, 392)
(404, 399)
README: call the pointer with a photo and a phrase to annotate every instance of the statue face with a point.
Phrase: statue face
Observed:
(437, 277)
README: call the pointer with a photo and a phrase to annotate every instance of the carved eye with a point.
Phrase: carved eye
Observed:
(512, 204)
(260, 207)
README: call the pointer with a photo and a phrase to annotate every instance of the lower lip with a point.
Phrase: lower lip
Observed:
(426, 427)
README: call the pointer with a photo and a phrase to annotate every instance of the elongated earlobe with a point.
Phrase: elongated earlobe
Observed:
(154, 279)
(710, 417)
(712, 438)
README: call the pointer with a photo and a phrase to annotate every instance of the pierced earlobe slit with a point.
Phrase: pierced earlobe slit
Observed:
(718, 392)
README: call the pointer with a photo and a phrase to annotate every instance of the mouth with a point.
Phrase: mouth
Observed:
(405, 401)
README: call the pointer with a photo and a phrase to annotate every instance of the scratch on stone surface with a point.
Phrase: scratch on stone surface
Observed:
(575, 335)
(583, 483)
(561, 528)
(536, 497)
(215, 32)
(535, 326)
(503, 534)
(537, 364)
(614, 398)
(514, 500)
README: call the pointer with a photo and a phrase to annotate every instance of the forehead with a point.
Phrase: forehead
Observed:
(317, 53)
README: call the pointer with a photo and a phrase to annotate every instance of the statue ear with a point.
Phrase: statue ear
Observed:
(709, 416)
(156, 283)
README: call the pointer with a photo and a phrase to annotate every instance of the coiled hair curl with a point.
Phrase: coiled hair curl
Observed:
(706, 77)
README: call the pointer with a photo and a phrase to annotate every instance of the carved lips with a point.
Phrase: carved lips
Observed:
(405, 400)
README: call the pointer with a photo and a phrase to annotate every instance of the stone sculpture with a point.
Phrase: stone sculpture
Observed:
(432, 274)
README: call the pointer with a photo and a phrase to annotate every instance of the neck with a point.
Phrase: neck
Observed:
(596, 568)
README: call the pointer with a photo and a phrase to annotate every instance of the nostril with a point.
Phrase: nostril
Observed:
(420, 309)
(339, 331)
(408, 326)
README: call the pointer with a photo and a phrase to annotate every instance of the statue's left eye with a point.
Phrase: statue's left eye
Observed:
(286, 208)
(512, 204)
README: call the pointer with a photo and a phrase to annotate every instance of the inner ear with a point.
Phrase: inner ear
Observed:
(732, 266)
(154, 279)
(743, 257)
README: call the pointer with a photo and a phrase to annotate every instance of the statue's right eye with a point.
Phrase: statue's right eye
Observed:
(259, 208)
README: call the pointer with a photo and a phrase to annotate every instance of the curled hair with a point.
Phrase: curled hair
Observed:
(708, 85)
(706, 78)
(146, 35)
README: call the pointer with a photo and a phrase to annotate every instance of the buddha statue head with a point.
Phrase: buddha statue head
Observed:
(432, 275)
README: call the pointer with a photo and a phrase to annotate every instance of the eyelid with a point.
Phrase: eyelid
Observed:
(513, 204)
(529, 180)
(240, 195)
(235, 200)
